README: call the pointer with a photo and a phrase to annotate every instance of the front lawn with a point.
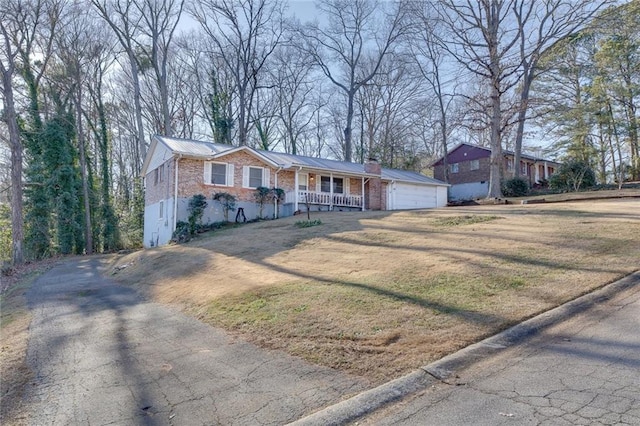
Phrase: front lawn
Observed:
(379, 294)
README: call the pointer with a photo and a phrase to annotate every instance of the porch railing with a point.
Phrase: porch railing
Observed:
(324, 198)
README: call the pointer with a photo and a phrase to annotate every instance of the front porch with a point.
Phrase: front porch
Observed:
(331, 190)
(324, 199)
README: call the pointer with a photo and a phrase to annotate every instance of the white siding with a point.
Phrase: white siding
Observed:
(160, 155)
(158, 230)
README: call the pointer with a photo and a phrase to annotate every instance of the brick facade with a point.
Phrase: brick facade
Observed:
(464, 156)
(465, 174)
(160, 183)
(374, 193)
(191, 179)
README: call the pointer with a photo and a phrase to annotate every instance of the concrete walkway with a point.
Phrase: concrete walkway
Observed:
(102, 355)
(576, 365)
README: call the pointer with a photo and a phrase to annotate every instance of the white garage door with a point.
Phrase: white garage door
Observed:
(407, 196)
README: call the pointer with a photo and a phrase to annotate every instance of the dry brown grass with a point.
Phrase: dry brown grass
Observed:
(14, 330)
(378, 293)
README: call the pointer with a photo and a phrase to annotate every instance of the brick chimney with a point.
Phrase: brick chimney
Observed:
(373, 188)
(373, 167)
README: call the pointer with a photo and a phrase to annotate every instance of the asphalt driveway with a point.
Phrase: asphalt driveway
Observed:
(102, 355)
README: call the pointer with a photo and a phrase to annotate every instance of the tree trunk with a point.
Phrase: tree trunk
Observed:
(88, 232)
(142, 147)
(522, 115)
(347, 129)
(164, 95)
(495, 165)
(17, 221)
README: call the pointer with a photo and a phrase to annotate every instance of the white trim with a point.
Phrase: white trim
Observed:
(249, 151)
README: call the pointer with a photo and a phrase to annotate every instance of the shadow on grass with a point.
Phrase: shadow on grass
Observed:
(464, 314)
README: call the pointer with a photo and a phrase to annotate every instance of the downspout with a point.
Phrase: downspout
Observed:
(175, 197)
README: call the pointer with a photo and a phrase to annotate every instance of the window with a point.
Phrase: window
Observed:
(158, 174)
(253, 177)
(218, 174)
(455, 167)
(475, 164)
(325, 184)
(161, 213)
(338, 185)
(523, 168)
(303, 182)
(509, 164)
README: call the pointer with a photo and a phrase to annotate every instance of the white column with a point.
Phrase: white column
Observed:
(362, 194)
(546, 171)
(295, 190)
(330, 191)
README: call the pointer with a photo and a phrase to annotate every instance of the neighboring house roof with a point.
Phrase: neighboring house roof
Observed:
(210, 150)
(476, 151)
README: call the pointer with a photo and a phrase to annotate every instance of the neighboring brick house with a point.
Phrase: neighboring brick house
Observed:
(177, 169)
(469, 170)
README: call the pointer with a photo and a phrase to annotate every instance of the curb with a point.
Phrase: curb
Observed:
(369, 401)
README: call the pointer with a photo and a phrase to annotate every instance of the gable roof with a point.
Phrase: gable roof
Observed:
(478, 151)
(209, 151)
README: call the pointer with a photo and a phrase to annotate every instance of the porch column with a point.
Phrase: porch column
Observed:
(546, 171)
(537, 174)
(295, 191)
(362, 194)
(330, 191)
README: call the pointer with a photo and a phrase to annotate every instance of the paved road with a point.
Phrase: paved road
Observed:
(102, 356)
(583, 371)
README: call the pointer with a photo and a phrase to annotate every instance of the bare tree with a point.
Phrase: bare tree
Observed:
(429, 55)
(245, 34)
(482, 39)
(291, 78)
(353, 33)
(160, 18)
(124, 21)
(26, 27)
(386, 105)
(540, 27)
(8, 55)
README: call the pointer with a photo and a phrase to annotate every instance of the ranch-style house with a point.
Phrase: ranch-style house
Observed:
(175, 170)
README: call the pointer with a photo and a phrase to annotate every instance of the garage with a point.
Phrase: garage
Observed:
(415, 192)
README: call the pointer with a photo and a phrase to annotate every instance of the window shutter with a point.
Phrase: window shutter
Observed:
(207, 172)
(245, 176)
(230, 175)
(266, 177)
